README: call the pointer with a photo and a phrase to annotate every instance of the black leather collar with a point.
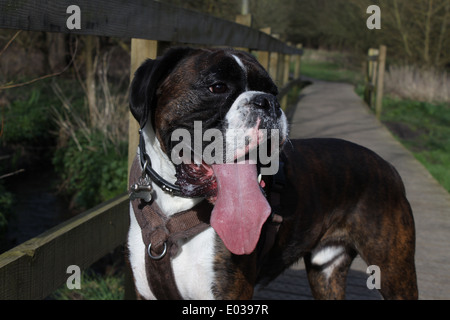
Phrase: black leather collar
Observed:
(146, 163)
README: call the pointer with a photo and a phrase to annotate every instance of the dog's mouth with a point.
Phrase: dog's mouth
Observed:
(240, 208)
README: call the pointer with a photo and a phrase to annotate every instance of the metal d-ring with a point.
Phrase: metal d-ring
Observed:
(159, 256)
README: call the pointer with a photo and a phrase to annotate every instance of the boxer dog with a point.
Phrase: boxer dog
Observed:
(336, 199)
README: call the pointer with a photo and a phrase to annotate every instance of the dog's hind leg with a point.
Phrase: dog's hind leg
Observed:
(327, 271)
(397, 273)
(395, 261)
(391, 248)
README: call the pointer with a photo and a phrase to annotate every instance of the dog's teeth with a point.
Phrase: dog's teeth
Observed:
(259, 178)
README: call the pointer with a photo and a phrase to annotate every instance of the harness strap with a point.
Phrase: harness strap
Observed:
(161, 235)
(275, 185)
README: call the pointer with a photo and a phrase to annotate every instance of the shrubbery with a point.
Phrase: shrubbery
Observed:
(95, 174)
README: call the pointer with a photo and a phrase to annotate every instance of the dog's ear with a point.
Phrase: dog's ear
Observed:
(146, 80)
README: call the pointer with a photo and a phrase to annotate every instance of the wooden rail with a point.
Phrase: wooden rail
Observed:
(37, 267)
(141, 19)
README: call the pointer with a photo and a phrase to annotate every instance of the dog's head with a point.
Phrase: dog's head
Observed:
(213, 112)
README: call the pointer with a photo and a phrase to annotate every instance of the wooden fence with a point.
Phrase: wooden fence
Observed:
(37, 267)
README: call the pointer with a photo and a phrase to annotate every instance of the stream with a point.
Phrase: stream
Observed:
(37, 206)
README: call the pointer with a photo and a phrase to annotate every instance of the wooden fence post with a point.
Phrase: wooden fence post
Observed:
(264, 56)
(280, 69)
(273, 64)
(298, 61)
(371, 75)
(246, 20)
(285, 79)
(380, 80)
(140, 50)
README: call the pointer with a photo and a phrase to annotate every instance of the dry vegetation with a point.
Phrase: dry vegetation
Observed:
(106, 115)
(409, 82)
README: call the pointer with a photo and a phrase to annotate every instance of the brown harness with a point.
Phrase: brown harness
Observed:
(161, 235)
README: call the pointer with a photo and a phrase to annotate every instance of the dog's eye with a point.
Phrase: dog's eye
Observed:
(218, 88)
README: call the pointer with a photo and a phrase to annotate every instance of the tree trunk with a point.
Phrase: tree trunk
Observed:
(442, 34)
(426, 44)
(56, 46)
(403, 32)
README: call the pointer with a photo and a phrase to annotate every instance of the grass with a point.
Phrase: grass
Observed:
(329, 71)
(330, 66)
(422, 127)
(94, 286)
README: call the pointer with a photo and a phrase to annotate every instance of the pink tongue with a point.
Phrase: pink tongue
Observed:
(240, 209)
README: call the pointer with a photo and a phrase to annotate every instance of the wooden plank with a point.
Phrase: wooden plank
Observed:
(287, 67)
(280, 70)
(380, 81)
(371, 76)
(273, 64)
(298, 60)
(37, 267)
(245, 20)
(285, 81)
(135, 19)
(263, 56)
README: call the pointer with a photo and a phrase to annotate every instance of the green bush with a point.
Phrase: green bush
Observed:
(26, 120)
(93, 174)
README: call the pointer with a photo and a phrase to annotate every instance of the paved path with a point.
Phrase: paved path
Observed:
(330, 109)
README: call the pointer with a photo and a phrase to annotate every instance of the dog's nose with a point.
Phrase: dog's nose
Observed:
(264, 100)
(269, 103)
